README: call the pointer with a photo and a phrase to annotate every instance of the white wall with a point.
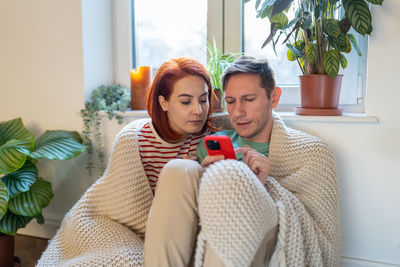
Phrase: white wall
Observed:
(368, 155)
(97, 34)
(43, 81)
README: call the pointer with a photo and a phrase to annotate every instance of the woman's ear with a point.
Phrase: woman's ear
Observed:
(163, 103)
(275, 96)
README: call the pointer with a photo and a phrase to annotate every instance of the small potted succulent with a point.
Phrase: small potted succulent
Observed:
(318, 38)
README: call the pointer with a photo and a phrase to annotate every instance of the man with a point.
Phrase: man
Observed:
(277, 204)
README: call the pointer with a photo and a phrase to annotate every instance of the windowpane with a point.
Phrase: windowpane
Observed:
(170, 29)
(256, 30)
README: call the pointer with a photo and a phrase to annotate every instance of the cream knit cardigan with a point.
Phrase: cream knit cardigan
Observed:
(107, 225)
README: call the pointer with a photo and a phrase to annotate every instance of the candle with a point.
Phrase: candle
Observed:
(140, 84)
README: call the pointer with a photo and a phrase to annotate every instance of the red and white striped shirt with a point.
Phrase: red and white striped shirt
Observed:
(155, 152)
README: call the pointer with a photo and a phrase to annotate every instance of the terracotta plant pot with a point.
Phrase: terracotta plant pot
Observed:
(216, 101)
(7, 250)
(320, 95)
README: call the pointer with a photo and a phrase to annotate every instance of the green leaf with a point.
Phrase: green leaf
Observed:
(358, 13)
(59, 145)
(295, 51)
(13, 129)
(290, 55)
(11, 222)
(4, 197)
(311, 53)
(266, 9)
(22, 179)
(343, 43)
(40, 219)
(258, 4)
(13, 154)
(280, 20)
(280, 5)
(307, 22)
(32, 202)
(354, 43)
(376, 2)
(331, 62)
(343, 61)
(331, 27)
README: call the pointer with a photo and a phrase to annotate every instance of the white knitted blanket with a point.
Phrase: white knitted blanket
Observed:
(303, 182)
(106, 226)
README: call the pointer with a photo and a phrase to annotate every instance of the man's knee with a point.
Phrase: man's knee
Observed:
(230, 172)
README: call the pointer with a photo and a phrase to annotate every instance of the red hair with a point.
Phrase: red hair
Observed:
(163, 83)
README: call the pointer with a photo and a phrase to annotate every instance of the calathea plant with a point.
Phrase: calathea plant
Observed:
(318, 36)
(23, 193)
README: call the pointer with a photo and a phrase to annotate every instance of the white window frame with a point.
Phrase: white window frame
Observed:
(225, 25)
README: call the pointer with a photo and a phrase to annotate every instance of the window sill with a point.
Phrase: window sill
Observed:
(286, 116)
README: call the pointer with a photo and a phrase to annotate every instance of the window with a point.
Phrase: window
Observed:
(169, 29)
(164, 30)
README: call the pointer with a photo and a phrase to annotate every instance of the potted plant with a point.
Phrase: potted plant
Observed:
(23, 193)
(216, 64)
(109, 99)
(317, 39)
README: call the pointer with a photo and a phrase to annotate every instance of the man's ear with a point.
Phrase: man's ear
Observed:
(275, 96)
(163, 103)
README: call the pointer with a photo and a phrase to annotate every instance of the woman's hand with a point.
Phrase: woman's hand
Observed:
(211, 159)
(256, 161)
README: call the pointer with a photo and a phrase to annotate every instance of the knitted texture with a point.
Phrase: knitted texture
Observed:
(303, 178)
(106, 226)
(235, 212)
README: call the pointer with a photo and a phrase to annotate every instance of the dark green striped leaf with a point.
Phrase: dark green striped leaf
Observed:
(343, 43)
(311, 53)
(331, 27)
(331, 62)
(4, 197)
(32, 202)
(13, 154)
(22, 179)
(59, 145)
(376, 2)
(13, 129)
(343, 61)
(11, 222)
(358, 13)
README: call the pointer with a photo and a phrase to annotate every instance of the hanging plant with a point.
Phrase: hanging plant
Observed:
(105, 98)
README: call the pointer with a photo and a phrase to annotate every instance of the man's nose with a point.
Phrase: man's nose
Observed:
(238, 109)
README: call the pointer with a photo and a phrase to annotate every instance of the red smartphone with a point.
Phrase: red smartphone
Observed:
(219, 145)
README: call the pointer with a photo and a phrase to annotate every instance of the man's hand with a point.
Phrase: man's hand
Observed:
(211, 159)
(256, 161)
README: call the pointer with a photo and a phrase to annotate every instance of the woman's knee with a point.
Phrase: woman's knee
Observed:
(179, 171)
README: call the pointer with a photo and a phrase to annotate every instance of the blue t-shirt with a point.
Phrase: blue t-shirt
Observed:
(237, 141)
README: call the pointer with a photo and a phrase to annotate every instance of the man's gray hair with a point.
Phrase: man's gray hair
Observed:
(247, 64)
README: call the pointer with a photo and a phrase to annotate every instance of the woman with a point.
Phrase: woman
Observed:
(106, 226)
